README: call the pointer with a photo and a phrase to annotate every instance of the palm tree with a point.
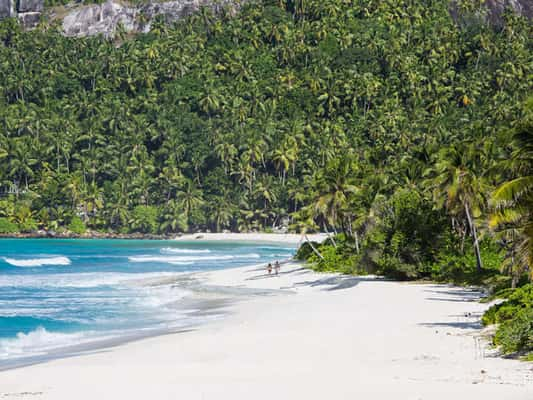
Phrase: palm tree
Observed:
(335, 186)
(21, 162)
(513, 200)
(189, 198)
(226, 152)
(460, 187)
(173, 218)
(221, 213)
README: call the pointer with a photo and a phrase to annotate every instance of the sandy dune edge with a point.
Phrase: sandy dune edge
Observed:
(322, 336)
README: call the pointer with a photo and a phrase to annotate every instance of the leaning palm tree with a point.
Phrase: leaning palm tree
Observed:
(304, 222)
(513, 200)
(460, 187)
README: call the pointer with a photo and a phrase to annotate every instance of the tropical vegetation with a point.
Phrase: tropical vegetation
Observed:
(403, 132)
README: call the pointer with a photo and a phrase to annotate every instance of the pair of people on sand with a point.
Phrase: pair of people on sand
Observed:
(276, 268)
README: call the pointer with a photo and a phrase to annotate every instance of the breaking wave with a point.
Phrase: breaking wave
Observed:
(37, 262)
(188, 259)
(171, 250)
(37, 342)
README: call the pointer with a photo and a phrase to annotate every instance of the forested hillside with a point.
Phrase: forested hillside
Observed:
(247, 122)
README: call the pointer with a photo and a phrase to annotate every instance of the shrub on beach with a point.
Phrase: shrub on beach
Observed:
(305, 251)
(77, 226)
(6, 226)
(516, 334)
(456, 265)
(515, 300)
(335, 259)
(515, 319)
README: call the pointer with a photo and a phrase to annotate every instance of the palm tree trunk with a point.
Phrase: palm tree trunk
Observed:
(350, 230)
(474, 237)
(356, 242)
(515, 275)
(313, 247)
(329, 235)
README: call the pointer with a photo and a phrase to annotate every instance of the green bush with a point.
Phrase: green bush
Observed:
(144, 219)
(458, 266)
(305, 251)
(28, 225)
(407, 233)
(77, 226)
(7, 226)
(517, 299)
(393, 268)
(341, 258)
(516, 334)
(515, 316)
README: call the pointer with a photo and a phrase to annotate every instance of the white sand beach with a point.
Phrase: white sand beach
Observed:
(287, 238)
(322, 336)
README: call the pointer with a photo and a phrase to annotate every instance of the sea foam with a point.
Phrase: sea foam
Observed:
(37, 262)
(79, 280)
(183, 259)
(172, 250)
(37, 342)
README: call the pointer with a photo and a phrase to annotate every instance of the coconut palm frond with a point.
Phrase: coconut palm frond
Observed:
(513, 190)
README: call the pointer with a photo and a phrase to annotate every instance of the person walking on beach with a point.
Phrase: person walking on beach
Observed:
(277, 267)
(269, 268)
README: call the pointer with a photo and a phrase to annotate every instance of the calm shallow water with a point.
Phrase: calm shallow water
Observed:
(59, 293)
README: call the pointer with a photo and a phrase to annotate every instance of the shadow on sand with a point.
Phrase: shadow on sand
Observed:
(456, 295)
(337, 282)
(470, 321)
(330, 283)
(457, 325)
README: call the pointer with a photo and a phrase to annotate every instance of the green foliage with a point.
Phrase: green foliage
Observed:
(336, 260)
(305, 251)
(456, 265)
(513, 200)
(144, 219)
(516, 334)
(406, 235)
(314, 114)
(342, 116)
(394, 268)
(515, 319)
(7, 226)
(77, 226)
(23, 216)
(515, 299)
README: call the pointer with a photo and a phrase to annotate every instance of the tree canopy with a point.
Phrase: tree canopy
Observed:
(307, 113)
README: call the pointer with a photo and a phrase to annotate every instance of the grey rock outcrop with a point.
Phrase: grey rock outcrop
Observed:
(493, 10)
(25, 6)
(497, 8)
(27, 11)
(29, 19)
(106, 18)
(7, 8)
(95, 19)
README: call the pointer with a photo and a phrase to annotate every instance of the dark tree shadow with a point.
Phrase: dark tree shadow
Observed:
(337, 282)
(457, 295)
(475, 325)
(451, 300)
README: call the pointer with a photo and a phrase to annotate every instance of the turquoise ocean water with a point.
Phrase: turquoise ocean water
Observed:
(58, 294)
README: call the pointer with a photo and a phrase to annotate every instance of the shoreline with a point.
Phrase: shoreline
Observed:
(299, 335)
(283, 238)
